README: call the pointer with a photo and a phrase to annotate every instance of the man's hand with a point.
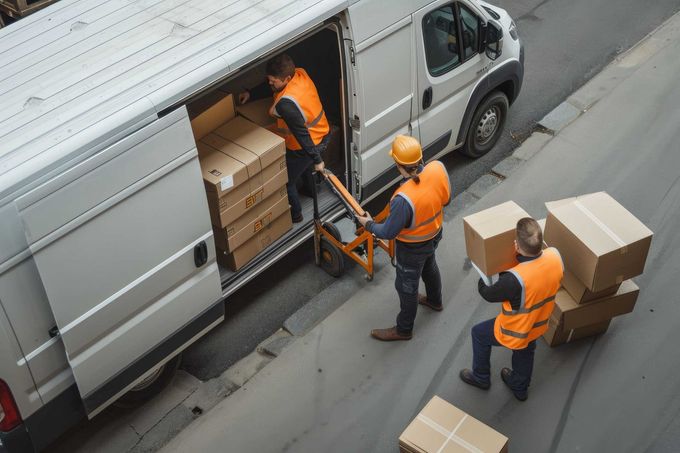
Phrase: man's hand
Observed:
(243, 97)
(363, 220)
(319, 167)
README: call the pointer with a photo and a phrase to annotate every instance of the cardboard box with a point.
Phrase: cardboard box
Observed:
(222, 173)
(245, 198)
(260, 241)
(442, 427)
(571, 315)
(580, 293)
(268, 146)
(209, 112)
(490, 235)
(258, 112)
(601, 243)
(250, 223)
(557, 335)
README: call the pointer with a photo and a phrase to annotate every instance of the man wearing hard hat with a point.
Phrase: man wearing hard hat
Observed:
(415, 221)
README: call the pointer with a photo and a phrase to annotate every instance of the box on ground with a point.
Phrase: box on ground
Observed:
(489, 236)
(442, 427)
(253, 246)
(557, 334)
(580, 293)
(245, 227)
(601, 242)
(571, 315)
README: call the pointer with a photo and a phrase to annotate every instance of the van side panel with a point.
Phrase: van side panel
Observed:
(385, 88)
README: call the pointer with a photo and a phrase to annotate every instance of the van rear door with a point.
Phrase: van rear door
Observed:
(125, 250)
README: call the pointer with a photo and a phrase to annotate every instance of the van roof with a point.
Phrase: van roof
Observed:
(82, 73)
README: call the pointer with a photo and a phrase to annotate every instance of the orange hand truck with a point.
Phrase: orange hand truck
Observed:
(328, 246)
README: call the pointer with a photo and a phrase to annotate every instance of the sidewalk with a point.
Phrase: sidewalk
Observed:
(336, 389)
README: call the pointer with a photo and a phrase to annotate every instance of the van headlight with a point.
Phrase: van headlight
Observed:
(513, 31)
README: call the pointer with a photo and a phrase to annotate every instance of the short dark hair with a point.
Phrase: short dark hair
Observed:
(529, 236)
(281, 66)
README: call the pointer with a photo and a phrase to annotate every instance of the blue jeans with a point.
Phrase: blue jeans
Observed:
(299, 165)
(416, 260)
(522, 359)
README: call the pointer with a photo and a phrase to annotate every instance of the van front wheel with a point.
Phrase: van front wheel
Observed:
(151, 385)
(486, 126)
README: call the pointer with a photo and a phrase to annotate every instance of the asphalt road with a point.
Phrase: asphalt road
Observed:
(616, 392)
(566, 42)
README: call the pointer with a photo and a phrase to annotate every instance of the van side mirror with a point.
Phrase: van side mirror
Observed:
(492, 43)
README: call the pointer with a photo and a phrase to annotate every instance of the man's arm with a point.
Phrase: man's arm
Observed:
(399, 218)
(260, 91)
(506, 288)
(289, 112)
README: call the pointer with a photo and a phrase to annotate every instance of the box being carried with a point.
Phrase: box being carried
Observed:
(442, 427)
(490, 235)
(601, 243)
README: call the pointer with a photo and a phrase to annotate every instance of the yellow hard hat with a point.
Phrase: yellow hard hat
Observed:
(406, 150)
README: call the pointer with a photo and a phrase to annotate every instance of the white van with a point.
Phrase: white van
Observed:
(104, 221)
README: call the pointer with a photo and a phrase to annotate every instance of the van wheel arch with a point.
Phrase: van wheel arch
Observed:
(159, 379)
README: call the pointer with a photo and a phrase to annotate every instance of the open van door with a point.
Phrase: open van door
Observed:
(125, 250)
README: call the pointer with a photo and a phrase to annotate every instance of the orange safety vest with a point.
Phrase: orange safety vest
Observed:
(540, 279)
(427, 200)
(302, 91)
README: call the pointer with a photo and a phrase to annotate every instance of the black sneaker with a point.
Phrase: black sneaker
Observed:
(297, 218)
(505, 375)
(469, 378)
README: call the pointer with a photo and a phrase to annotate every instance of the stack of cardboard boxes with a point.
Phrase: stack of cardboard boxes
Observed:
(603, 246)
(442, 427)
(245, 176)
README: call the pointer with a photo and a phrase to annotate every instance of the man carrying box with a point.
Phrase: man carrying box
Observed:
(527, 292)
(300, 120)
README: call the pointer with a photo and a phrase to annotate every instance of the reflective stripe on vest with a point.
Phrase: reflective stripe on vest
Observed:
(301, 91)
(426, 200)
(539, 279)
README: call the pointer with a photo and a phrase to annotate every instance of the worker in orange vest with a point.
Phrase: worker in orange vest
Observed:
(300, 119)
(415, 221)
(527, 293)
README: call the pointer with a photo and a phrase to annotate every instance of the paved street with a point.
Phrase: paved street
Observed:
(567, 42)
(335, 389)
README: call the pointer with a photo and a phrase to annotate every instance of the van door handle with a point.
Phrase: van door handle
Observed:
(427, 98)
(200, 254)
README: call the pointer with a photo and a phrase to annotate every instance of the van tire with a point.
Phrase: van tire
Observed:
(486, 126)
(145, 391)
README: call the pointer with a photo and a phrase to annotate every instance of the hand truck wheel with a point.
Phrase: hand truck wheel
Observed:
(331, 258)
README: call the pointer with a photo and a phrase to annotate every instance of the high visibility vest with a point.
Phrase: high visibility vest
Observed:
(427, 200)
(302, 91)
(540, 279)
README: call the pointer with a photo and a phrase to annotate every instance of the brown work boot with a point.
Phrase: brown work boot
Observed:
(391, 334)
(422, 300)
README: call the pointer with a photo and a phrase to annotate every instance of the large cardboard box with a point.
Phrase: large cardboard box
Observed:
(557, 334)
(209, 112)
(222, 173)
(250, 223)
(601, 243)
(442, 427)
(580, 293)
(572, 315)
(268, 146)
(253, 246)
(490, 235)
(246, 197)
(258, 112)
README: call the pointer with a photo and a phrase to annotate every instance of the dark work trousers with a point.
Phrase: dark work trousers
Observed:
(416, 260)
(522, 359)
(300, 164)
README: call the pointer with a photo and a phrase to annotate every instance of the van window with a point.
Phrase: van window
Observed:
(469, 23)
(440, 36)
